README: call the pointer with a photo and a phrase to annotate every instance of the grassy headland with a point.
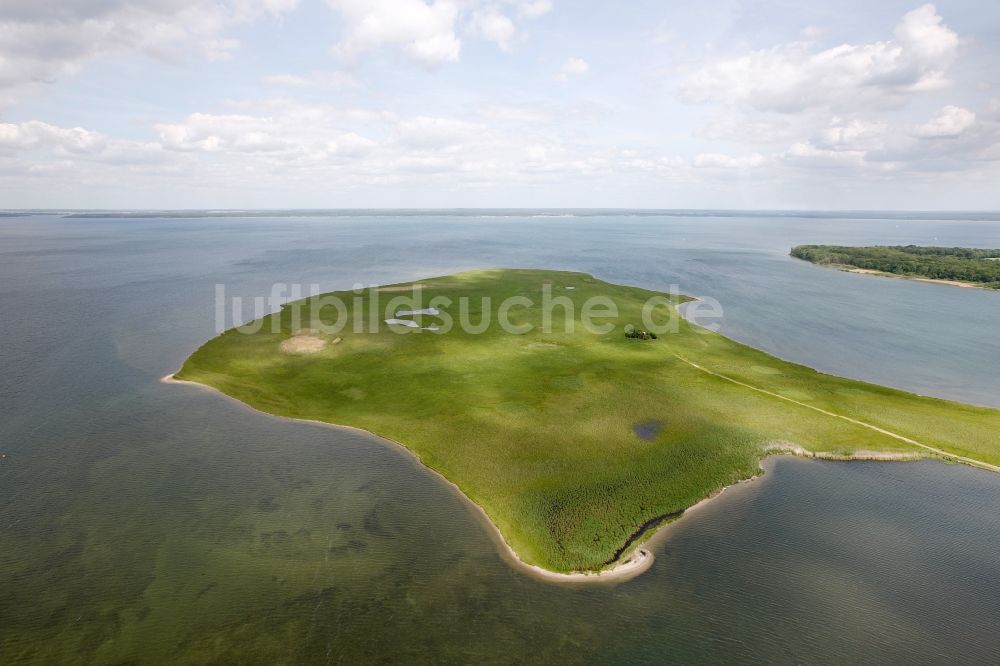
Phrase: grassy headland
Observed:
(973, 266)
(573, 442)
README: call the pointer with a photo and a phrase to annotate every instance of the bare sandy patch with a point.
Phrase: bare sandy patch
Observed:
(305, 342)
(915, 278)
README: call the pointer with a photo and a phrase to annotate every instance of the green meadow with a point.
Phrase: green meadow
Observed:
(540, 428)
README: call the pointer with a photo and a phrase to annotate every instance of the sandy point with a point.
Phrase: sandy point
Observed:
(636, 563)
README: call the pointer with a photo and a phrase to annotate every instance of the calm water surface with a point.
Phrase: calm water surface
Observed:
(148, 522)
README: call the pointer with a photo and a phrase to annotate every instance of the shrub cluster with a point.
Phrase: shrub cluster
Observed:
(633, 333)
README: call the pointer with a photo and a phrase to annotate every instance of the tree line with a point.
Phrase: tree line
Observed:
(978, 265)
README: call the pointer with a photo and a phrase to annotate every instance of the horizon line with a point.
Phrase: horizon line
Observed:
(491, 208)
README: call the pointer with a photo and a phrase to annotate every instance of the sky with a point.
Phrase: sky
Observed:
(794, 104)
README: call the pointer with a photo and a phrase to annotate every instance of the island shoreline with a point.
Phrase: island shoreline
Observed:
(638, 561)
(632, 556)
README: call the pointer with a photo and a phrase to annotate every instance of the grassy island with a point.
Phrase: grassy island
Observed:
(576, 444)
(963, 265)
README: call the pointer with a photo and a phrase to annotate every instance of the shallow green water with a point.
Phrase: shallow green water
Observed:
(156, 523)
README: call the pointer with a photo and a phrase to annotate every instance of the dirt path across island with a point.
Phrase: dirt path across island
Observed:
(939, 452)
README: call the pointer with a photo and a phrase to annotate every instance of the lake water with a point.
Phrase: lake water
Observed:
(148, 522)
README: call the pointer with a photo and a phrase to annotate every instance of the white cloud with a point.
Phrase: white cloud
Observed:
(852, 135)
(41, 42)
(737, 127)
(223, 133)
(802, 116)
(806, 154)
(493, 26)
(424, 32)
(275, 143)
(949, 123)
(876, 145)
(721, 161)
(316, 79)
(532, 114)
(834, 110)
(573, 67)
(34, 133)
(350, 145)
(300, 149)
(535, 8)
(793, 77)
(63, 145)
(424, 132)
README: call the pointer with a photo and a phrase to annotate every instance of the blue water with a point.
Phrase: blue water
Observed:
(149, 522)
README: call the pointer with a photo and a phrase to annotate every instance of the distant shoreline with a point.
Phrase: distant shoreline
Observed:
(953, 266)
(845, 214)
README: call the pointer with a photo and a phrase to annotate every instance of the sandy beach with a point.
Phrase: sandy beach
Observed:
(914, 278)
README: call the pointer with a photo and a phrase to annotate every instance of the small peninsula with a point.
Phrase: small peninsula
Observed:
(962, 266)
(577, 445)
